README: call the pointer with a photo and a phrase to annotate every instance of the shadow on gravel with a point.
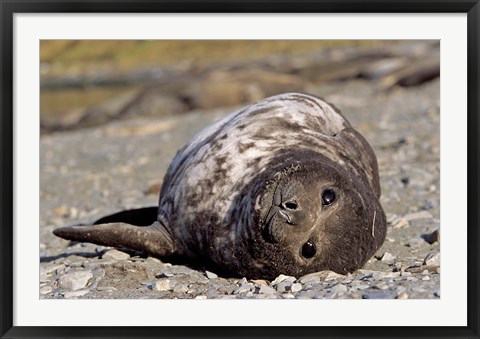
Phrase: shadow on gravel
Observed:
(64, 255)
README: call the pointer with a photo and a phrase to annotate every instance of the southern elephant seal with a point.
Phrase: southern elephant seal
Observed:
(285, 185)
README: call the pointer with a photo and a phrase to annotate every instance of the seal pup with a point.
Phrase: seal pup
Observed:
(283, 186)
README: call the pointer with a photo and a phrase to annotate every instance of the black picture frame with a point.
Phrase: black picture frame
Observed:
(10, 7)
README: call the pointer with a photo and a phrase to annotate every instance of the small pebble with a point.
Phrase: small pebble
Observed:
(244, 288)
(52, 268)
(181, 288)
(333, 275)
(388, 257)
(391, 217)
(382, 286)
(200, 297)
(400, 223)
(116, 255)
(164, 275)
(432, 259)
(46, 289)
(45, 278)
(402, 295)
(296, 287)
(282, 278)
(211, 275)
(75, 294)
(313, 278)
(259, 282)
(264, 289)
(74, 281)
(163, 285)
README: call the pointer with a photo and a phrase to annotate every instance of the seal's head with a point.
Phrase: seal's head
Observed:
(313, 215)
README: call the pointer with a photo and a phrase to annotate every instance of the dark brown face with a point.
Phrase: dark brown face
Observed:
(315, 217)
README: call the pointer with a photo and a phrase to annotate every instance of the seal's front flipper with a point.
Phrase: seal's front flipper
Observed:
(153, 239)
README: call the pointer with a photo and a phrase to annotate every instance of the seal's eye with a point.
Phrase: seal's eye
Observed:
(328, 196)
(308, 249)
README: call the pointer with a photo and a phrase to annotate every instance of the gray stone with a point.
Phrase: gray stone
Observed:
(44, 277)
(296, 287)
(333, 276)
(259, 282)
(76, 280)
(402, 295)
(163, 285)
(282, 278)
(264, 289)
(313, 278)
(46, 289)
(75, 294)
(211, 275)
(388, 275)
(388, 257)
(382, 286)
(391, 217)
(116, 255)
(400, 223)
(432, 259)
(181, 288)
(244, 288)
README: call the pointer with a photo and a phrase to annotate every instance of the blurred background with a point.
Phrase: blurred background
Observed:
(86, 83)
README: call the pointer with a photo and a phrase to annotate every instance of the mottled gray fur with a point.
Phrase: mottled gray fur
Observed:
(246, 194)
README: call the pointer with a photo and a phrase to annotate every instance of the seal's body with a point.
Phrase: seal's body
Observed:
(285, 185)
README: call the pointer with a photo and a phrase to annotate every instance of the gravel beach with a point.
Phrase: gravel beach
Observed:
(89, 173)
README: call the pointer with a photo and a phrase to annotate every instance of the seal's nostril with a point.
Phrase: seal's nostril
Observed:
(291, 205)
(308, 250)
